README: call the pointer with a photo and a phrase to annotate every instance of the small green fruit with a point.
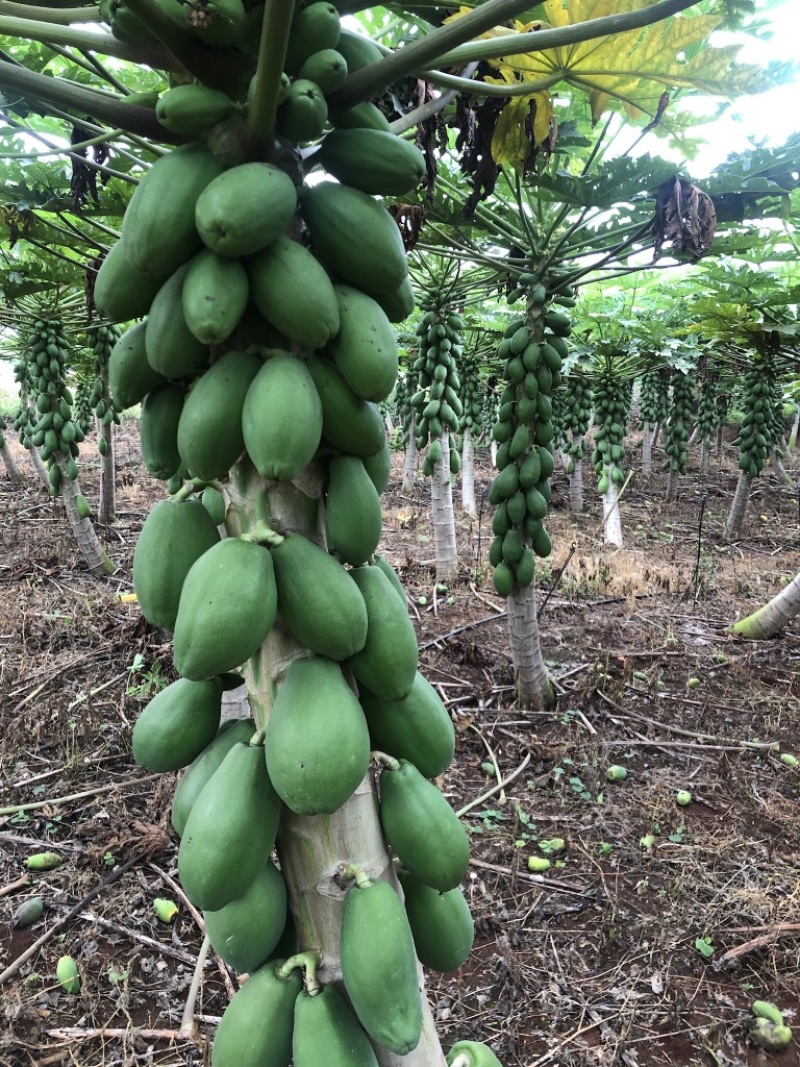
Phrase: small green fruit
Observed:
(44, 861)
(765, 1009)
(770, 1036)
(538, 864)
(615, 773)
(683, 798)
(165, 909)
(789, 759)
(27, 913)
(555, 844)
(67, 974)
(647, 841)
(693, 683)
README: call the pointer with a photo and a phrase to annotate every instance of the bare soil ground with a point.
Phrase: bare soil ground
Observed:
(619, 954)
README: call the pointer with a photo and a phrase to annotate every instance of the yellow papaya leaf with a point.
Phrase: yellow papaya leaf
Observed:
(510, 141)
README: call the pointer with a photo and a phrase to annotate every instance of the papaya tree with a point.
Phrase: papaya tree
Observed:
(265, 345)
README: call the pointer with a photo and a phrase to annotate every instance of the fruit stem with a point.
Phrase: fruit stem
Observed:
(257, 740)
(275, 28)
(309, 961)
(263, 534)
(351, 873)
(383, 760)
(188, 489)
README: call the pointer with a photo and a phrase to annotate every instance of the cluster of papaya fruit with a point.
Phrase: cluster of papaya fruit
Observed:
(437, 402)
(708, 410)
(531, 350)
(266, 346)
(218, 23)
(653, 398)
(473, 396)
(678, 422)
(761, 427)
(576, 415)
(610, 416)
(44, 418)
(101, 339)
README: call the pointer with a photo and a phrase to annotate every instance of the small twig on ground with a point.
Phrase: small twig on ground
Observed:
(188, 1027)
(12, 809)
(493, 758)
(548, 1057)
(782, 930)
(83, 1034)
(538, 879)
(495, 788)
(31, 950)
(135, 935)
(461, 629)
(57, 673)
(12, 887)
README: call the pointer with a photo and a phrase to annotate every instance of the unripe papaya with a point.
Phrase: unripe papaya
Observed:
(313, 28)
(441, 924)
(353, 518)
(219, 23)
(282, 418)
(227, 608)
(257, 1025)
(293, 293)
(210, 435)
(214, 296)
(192, 110)
(173, 538)
(327, 67)
(122, 291)
(398, 304)
(177, 724)
(245, 208)
(158, 430)
(387, 664)
(375, 161)
(473, 1054)
(318, 600)
(327, 1031)
(379, 467)
(348, 423)
(245, 932)
(365, 349)
(358, 51)
(355, 237)
(194, 779)
(438, 857)
(130, 376)
(303, 114)
(230, 830)
(363, 116)
(379, 966)
(172, 348)
(317, 742)
(158, 227)
(417, 729)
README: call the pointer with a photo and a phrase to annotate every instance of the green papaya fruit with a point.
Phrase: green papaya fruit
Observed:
(192, 110)
(379, 966)
(318, 600)
(327, 1031)
(391, 574)
(282, 418)
(417, 729)
(214, 503)
(245, 932)
(210, 435)
(365, 349)
(349, 423)
(546, 463)
(364, 116)
(293, 293)
(525, 568)
(535, 503)
(353, 518)
(230, 830)
(198, 774)
(379, 467)
(439, 857)
(505, 485)
(256, 1028)
(327, 67)
(541, 543)
(374, 161)
(121, 291)
(441, 924)
(358, 51)
(130, 376)
(398, 304)
(355, 237)
(158, 430)
(177, 724)
(173, 538)
(472, 1054)
(214, 296)
(172, 349)
(313, 28)
(227, 608)
(82, 507)
(317, 742)
(387, 664)
(304, 112)
(245, 208)
(158, 227)
(219, 23)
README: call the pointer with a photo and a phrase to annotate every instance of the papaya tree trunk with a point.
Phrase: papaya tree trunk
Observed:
(493, 453)
(672, 485)
(10, 464)
(656, 431)
(311, 849)
(647, 448)
(576, 488)
(705, 455)
(444, 524)
(107, 508)
(793, 433)
(94, 555)
(39, 467)
(720, 439)
(468, 474)
(693, 437)
(612, 520)
(772, 617)
(534, 688)
(733, 527)
(778, 467)
(411, 461)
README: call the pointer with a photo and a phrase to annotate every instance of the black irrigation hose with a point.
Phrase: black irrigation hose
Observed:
(696, 575)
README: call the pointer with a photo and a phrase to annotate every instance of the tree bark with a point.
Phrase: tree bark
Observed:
(778, 467)
(648, 436)
(534, 688)
(793, 433)
(107, 508)
(612, 520)
(39, 467)
(10, 464)
(411, 461)
(672, 485)
(444, 523)
(576, 487)
(94, 555)
(733, 527)
(656, 431)
(468, 474)
(705, 455)
(772, 617)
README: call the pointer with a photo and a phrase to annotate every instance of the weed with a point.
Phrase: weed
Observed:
(144, 682)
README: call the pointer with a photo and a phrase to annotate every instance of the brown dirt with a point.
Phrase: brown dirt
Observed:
(597, 962)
